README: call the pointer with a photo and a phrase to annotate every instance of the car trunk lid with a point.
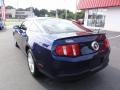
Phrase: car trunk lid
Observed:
(89, 43)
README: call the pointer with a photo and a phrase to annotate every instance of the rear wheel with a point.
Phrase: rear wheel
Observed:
(32, 65)
(16, 44)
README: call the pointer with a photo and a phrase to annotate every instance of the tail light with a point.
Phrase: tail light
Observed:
(68, 50)
(106, 43)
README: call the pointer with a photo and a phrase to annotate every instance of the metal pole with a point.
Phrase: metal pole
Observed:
(56, 13)
(76, 10)
(66, 14)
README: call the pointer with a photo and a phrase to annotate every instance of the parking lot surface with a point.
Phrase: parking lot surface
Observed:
(14, 73)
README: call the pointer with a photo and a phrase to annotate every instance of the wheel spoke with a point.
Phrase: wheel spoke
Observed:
(31, 63)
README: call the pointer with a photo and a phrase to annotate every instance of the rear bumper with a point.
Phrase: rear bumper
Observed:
(64, 70)
(83, 72)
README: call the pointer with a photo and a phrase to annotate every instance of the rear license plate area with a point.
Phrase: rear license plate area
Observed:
(94, 63)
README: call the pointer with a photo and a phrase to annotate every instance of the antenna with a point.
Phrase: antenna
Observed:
(76, 9)
(56, 13)
(66, 12)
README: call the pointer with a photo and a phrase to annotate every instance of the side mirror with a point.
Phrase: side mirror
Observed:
(23, 27)
(16, 27)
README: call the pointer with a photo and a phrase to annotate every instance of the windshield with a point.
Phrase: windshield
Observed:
(56, 26)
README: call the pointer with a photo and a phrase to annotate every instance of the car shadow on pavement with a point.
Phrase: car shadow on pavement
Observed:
(107, 79)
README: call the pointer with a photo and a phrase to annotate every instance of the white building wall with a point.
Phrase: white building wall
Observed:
(85, 18)
(11, 11)
(28, 13)
(112, 21)
(85, 21)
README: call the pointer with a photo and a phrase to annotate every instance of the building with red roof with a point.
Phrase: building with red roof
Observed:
(101, 14)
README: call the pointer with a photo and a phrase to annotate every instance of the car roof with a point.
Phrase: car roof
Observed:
(45, 18)
(39, 18)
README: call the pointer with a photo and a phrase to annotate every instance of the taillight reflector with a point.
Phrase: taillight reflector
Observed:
(106, 43)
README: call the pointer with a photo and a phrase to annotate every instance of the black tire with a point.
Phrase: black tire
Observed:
(34, 72)
(16, 45)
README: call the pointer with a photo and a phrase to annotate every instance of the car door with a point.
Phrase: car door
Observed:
(16, 33)
(23, 37)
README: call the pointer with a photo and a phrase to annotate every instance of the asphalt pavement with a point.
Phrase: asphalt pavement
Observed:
(15, 75)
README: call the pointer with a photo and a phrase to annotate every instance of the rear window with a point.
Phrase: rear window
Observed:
(56, 26)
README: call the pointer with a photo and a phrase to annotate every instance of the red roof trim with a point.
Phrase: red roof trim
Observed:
(89, 4)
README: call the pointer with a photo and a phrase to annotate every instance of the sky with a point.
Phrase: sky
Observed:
(43, 4)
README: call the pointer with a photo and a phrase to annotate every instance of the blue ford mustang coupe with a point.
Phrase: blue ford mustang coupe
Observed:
(60, 48)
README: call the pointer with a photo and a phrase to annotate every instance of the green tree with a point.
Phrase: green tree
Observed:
(80, 15)
(70, 15)
(43, 12)
(52, 13)
(29, 8)
(61, 13)
(10, 7)
(36, 12)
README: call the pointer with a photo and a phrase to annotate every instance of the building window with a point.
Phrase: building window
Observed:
(20, 12)
(96, 18)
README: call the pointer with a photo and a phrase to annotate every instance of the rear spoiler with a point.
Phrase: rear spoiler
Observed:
(82, 27)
